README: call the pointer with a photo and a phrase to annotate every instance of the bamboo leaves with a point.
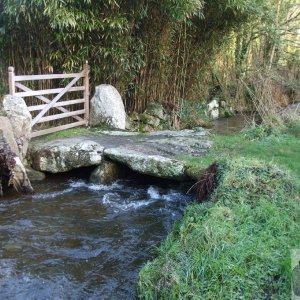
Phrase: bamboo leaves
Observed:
(151, 50)
(181, 10)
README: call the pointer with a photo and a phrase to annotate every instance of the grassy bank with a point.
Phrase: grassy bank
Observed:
(282, 149)
(237, 245)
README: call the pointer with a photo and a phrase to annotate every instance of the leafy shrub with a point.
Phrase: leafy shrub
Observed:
(192, 114)
(258, 132)
(3, 91)
(148, 49)
(293, 128)
(289, 126)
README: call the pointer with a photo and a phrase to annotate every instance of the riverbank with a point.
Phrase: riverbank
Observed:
(236, 245)
(280, 148)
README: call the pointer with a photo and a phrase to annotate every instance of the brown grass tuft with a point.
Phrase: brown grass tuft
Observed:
(207, 183)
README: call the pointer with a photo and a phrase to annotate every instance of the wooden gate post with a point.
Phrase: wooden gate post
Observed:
(86, 69)
(11, 80)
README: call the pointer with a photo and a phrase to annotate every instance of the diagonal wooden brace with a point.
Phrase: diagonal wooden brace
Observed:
(55, 99)
(45, 100)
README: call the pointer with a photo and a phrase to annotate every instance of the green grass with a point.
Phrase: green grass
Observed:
(237, 245)
(283, 150)
(70, 133)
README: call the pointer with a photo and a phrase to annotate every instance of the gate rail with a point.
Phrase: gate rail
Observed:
(80, 116)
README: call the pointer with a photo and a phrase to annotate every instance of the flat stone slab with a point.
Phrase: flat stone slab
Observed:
(65, 154)
(169, 143)
(154, 165)
(152, 154)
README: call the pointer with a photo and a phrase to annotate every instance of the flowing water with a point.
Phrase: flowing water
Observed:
(232, 124)
(77, 240)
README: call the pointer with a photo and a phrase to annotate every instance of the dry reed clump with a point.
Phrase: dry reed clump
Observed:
(206, 183)
(266, 94)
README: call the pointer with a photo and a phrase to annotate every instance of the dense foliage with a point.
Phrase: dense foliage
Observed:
(151, 50)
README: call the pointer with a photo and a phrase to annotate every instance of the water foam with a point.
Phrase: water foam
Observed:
(95, 186)
(153, 193)
(174, 196)
(52, 195)
(110, 198)
(132, 205)
(104, 187)
(115, 201)
(77, 184)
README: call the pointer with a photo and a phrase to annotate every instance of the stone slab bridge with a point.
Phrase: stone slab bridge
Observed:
(156, 154)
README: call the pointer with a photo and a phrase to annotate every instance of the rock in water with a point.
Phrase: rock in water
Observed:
(107, 108)
(7, 134)
(152, 154)
(105, 173)
(20, 118)
(12, 171)
(34, 175)
(213, 109)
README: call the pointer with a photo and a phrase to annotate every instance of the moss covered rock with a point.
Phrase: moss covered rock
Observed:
(155, 109)
(105, 173)
(65, 155)
(153, 165)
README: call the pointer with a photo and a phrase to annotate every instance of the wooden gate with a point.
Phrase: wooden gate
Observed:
(81, 117)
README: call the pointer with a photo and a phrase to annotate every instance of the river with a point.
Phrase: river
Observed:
(232, 124)
(77, 240)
